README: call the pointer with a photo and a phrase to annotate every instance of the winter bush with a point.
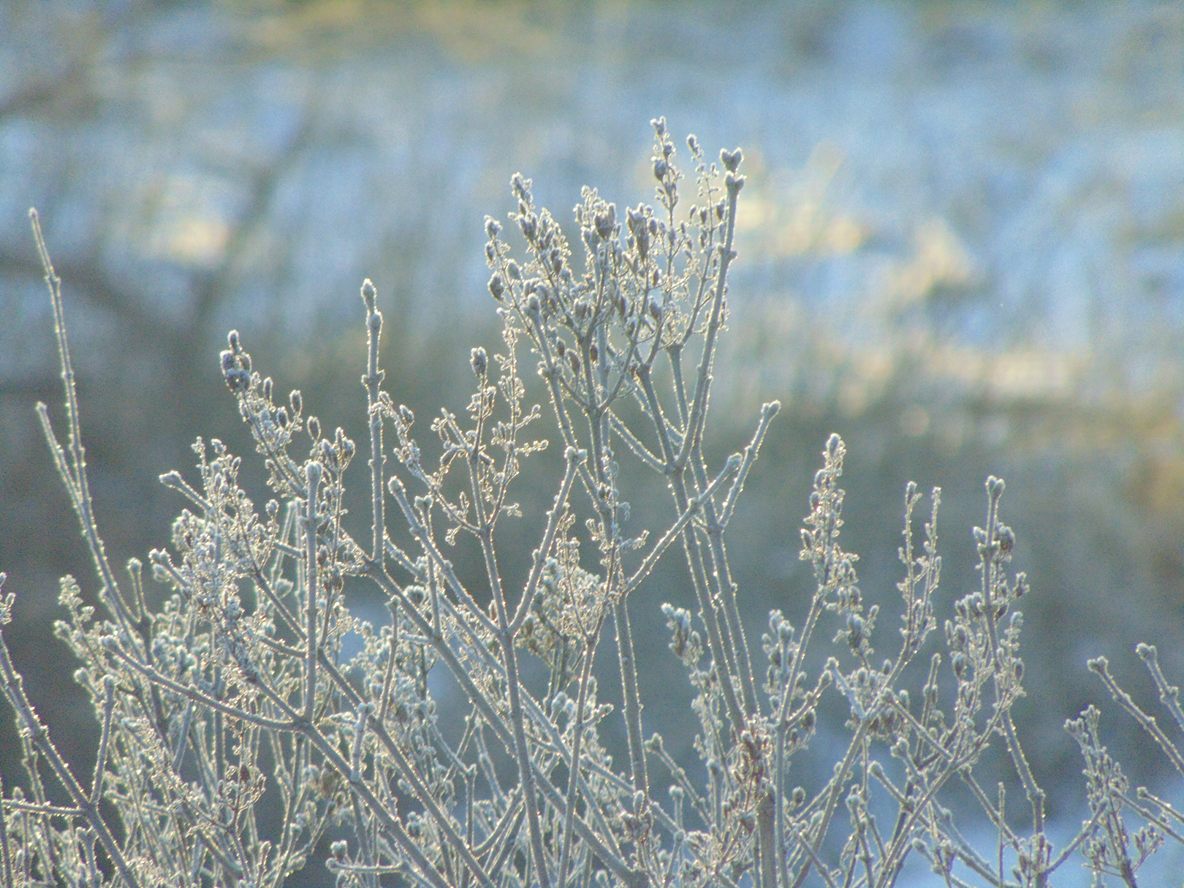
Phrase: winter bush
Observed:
(251, 715)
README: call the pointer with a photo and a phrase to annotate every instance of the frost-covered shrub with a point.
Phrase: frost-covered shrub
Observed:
(239, 695)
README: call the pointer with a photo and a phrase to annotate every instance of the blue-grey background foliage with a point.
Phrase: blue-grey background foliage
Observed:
(962, 248)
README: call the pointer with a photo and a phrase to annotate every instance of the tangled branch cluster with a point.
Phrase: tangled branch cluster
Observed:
(238, 698)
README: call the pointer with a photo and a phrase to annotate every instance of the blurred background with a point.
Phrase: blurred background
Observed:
(961, 247)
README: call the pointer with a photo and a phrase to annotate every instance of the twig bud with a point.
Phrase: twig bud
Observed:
(478, 361)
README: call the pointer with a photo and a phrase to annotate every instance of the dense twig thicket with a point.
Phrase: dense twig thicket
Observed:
(253, 688)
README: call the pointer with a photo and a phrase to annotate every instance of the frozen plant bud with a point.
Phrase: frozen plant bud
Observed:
(661, 167)
(1006, 537)
(492, 227)
(237, 380)
(958, 661)
(1021, 585)
(734, 183)
(232, 339)
(520, 185)
(369, 294)
(477, 360)
(731, 159)
(313, 472)
(605, 221)
(636, 221)
(496, 287)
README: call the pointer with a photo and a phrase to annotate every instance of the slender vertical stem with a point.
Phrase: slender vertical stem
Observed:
(96, 783)
(74, 473)
(632, 699)
(5, 860)
(313, 473)
(699, 400)
(371, 381)
(505, 639)
(573, 780)
(1032, 790)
